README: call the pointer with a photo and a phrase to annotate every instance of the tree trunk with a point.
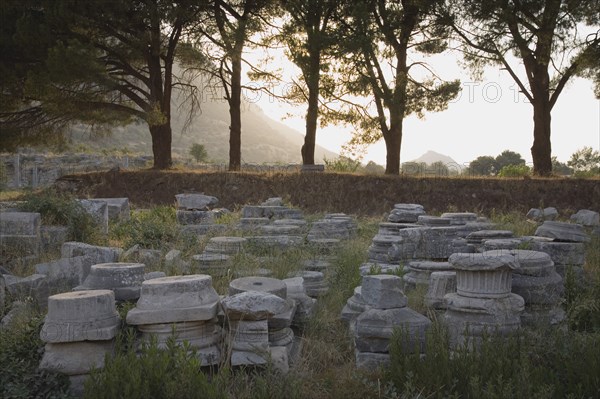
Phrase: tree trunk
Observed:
(235, 111)
(161, 145)
(393, 140)
(541, 151)
(312, 114)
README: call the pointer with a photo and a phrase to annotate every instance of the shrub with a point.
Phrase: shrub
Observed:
(514, 171)
(62, 209)
(20, 354)
(152, 373)
(548, 364)
(198, 152)
(150, 229)
(341, 164)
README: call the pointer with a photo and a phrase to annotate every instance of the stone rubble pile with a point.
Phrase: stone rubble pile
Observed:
(386, 312)
(196, 213)
(124, 279)
(260, 316)
(537, 282)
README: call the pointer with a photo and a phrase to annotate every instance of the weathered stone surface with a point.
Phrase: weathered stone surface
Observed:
(20, 223)
(539, 290)
(20, 313)
(66, 272)
(355, 305)
(249, 336)
(481, 276)
(274, 242)
(419, 272)
(477, 237)
(98, 210)
(560, 231)
(53, 237)
(175, 299)
(531, 263)
(304, 304)
(274, 201)
(124, 279)
(317, 265)
(95, 253)
(34, 286)
(561, 253)
(314, 283)
(540, 215)
(81, 316)
(290, 222)
(586, 217)
(502, 243)
(211, 263)
(460, 217)
(374, 329)
(469, 319)
(118, 208)
(389, 228)
(279, 358)
(185, 217)
(253, 223)
(225, 245)
(204, 336)
(406, 213)
(2, 293)
(383, 291)
(74, 358)
(277, 230)
(261, 284)
(150, 257)
(440, 284)
(195, 202)
(427, 220)
(253, 305)
(153, 275)
(174, 260)
(15, 247)
(271, 212)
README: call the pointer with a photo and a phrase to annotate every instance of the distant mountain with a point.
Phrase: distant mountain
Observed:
(431, 157)
(264, 140)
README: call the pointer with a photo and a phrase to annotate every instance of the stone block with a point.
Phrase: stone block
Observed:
(53, 237)
(95, 253)
(175, 299)
(66, 272)
(20, 223)
(261, 284)
(34, 286)
(563, 232)
(252, 305)
(586, 217)
(440, 284)
(81, 316)
(194, 217)
(383, 291)
(118, 208)
(196, 202)
(74, 358)
(98, 210)
(374, 329)
(124, 279)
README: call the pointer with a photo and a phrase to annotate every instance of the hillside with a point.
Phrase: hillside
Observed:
(431, 157)
(264, 140)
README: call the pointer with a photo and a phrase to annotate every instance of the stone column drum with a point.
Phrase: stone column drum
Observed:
(185, 306)
(79, 330)
(483, 302)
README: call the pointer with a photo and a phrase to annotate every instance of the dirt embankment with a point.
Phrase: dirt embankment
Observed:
(353, 194)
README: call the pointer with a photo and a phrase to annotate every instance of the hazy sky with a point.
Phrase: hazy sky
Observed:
(488, 117)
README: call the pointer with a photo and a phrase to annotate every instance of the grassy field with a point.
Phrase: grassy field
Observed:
(555, 363)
